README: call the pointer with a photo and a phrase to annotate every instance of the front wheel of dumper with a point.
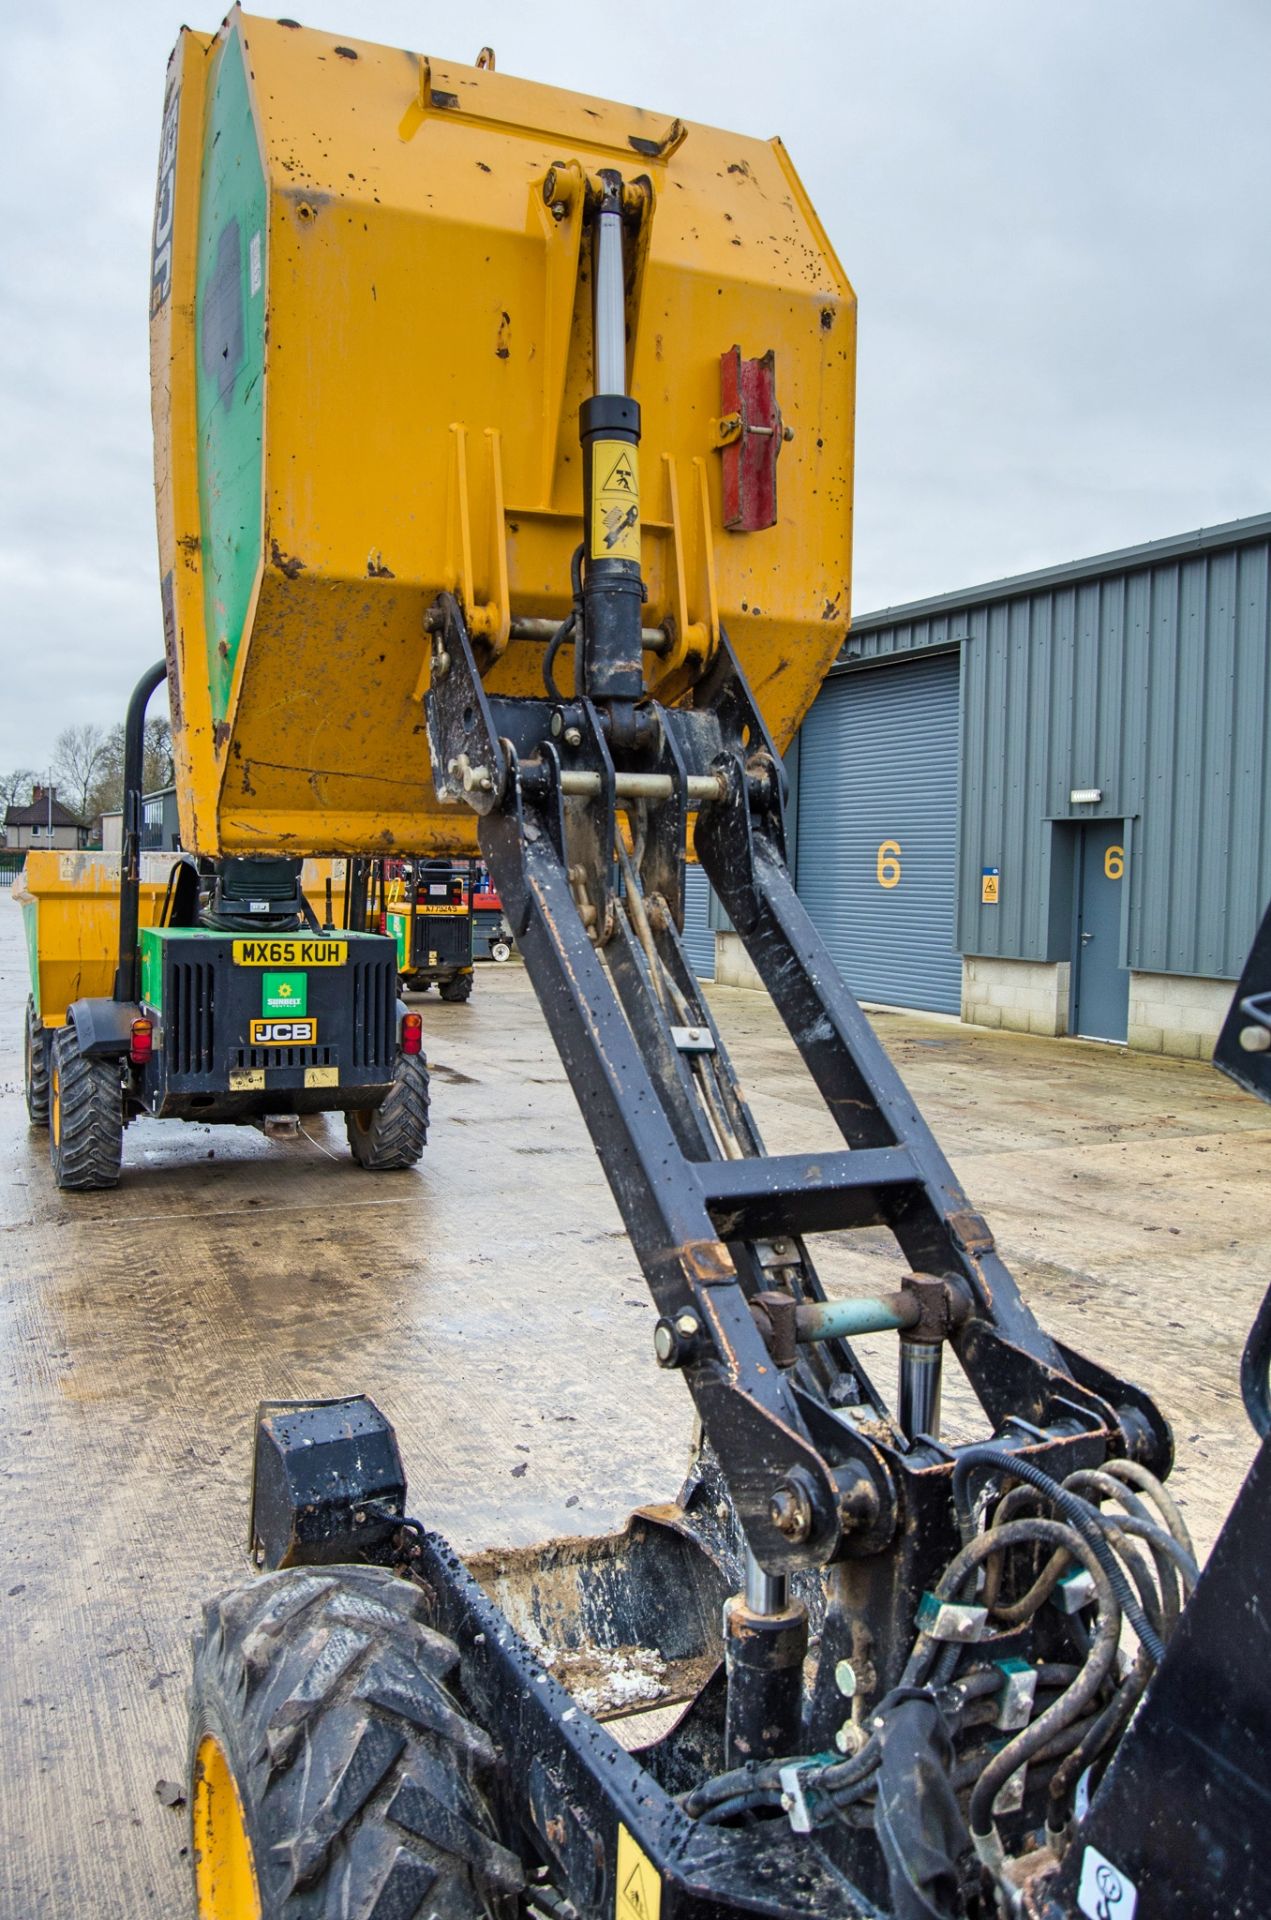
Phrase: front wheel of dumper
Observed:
(334, 1775)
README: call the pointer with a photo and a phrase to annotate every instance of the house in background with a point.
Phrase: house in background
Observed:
(45, 822)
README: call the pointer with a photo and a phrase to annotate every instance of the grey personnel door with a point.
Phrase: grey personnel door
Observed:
(1101, 985)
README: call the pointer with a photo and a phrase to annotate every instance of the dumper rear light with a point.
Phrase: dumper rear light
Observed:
(412, 1033)
(140, 1042)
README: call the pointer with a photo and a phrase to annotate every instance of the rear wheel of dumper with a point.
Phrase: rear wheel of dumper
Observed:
(333, 1772)
(86, 1117)
(393, 1135)
(458, 987)
(36, 1067)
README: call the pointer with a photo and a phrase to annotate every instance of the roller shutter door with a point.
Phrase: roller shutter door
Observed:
(878, 805)
(699, 939)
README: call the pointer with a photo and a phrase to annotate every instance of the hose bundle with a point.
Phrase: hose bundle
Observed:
(1081, 1709)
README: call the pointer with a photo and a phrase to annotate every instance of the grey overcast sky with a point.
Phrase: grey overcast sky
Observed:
(1056, 215)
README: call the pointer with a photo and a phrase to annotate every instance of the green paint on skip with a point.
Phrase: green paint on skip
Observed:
(398, 923)
(230, 352)
(31, 927)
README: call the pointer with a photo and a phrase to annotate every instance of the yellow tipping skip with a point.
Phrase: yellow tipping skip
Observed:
(370, 336)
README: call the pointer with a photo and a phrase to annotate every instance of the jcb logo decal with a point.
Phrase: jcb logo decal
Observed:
(283, 1033)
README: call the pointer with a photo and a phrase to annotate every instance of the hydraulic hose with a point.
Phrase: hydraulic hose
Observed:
(1136, 1520)
(1079, 1514)
(1072, 1703)
(554, 646)
(970, 1765)
(1168, 1557)
(1161, 1542)
(1138, 1476)
(1099, 1733)
(1006, 1509)
(766, 1797)
(1015, 1612)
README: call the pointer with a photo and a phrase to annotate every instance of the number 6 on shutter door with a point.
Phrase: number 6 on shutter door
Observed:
(888, 863)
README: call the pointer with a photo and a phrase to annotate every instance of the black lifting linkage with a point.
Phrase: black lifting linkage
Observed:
(584, 806)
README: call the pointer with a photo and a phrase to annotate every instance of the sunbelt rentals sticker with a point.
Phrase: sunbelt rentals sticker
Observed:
(286, 993)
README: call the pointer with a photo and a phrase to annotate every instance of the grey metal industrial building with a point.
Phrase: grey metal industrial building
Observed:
(1045, 803)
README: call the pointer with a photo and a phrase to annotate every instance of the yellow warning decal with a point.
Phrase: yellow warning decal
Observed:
(615, 501)
(639, 1889)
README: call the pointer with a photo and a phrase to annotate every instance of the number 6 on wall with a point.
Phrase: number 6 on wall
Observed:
(1114, 862)
(889, 863)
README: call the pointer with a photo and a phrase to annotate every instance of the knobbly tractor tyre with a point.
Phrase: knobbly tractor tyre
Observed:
(457, 988)
(334, 1775)
(35, 1064)
(416, 982)
(391, 1136)
(86, 1117)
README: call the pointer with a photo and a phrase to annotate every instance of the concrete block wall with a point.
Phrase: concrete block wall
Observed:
(1021, 996)
(733, 966)
(1177, 1013)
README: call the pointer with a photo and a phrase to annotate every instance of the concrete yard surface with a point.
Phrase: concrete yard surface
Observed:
(491, 1304)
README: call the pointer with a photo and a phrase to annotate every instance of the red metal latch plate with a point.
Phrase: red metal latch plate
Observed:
(748, 403)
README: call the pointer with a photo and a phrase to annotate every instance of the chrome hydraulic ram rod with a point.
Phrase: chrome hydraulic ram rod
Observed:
(531, 627)
(612, 665)
(641, 786)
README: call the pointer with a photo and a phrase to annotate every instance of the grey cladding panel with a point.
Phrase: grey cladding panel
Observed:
(1145, 674)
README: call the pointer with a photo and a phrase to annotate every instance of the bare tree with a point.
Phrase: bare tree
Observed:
(77, 760)
(158, 761)
(106, 794)
(15, 791)
(15, 788)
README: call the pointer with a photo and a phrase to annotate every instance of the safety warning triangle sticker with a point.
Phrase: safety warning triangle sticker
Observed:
(639, 1886)
(621, 476)
(615, 501)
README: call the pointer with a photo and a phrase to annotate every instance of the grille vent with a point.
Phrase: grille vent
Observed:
(190, 1016)
(375, 1012)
